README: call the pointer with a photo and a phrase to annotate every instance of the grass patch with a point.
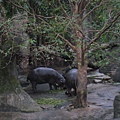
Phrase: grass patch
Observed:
(56, 91)
(49, 101)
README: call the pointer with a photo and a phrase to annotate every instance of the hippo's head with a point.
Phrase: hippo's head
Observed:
(61, 81)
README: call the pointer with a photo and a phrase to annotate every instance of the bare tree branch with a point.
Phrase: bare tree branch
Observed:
(117, 34)
(66, 41)
(18, 6)
(108, 31)
(105, 28)
(66, 15)
(101, 3)
(38, 16)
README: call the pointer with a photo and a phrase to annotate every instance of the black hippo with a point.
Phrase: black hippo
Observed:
(71, 77)
(43, 75)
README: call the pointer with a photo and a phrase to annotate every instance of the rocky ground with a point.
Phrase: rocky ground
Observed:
(100, 99)
(101, 94)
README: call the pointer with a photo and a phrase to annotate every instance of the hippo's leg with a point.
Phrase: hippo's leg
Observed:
(50, 85)
(68, 92)
(34, 84)
(75, 93)
(53, 84)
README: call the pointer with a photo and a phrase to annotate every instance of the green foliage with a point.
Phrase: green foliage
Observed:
(56, 91)
(100, 16)
(10, 9)
(44, 31)
(9, 44)
(47, 33)
(49, 101)
(5, 44)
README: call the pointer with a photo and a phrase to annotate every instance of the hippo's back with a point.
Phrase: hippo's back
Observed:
(71, 74)
(44, 71)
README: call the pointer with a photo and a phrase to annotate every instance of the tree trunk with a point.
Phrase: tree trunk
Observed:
(8, 75)
(82, 88)
(81, 98)
(19, 27)
(78, 9)
(12, 96)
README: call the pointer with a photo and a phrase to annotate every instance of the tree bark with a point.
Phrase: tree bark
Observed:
(82, 85)
(81, 98)
(12, 96)
(78, 9)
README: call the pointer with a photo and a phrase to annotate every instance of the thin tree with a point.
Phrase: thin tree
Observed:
(78, 15)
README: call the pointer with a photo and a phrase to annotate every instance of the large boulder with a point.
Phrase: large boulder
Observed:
(117, 107)
(116, 76)
(113, 71)
(113, 68)
(18, 101)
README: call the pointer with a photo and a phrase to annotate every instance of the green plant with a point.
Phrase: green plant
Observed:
(49, 101)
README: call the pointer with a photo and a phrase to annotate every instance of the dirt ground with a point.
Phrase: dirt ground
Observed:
(100, 99)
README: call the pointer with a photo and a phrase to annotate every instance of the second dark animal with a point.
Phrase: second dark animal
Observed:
(71, 77)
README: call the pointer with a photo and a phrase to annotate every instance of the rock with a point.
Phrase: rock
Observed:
(114, 61)
(97, 81)
(117, 106)
(18, 101)
(100, 98)
(116, 76)
(23, 80)
(97, 77)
